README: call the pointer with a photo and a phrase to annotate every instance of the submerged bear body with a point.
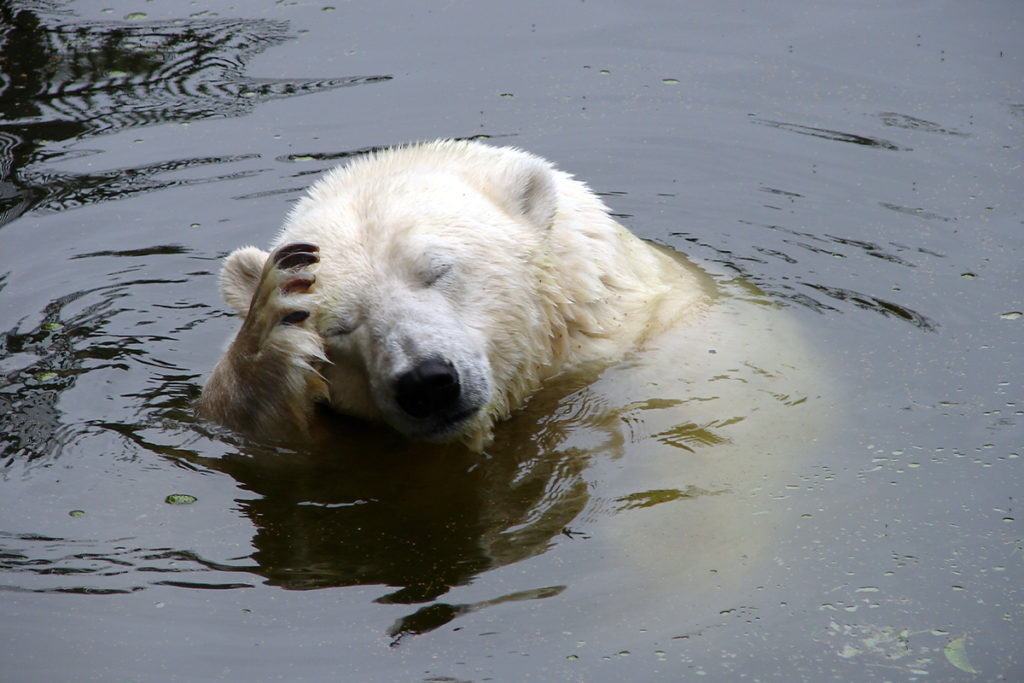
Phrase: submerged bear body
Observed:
(434, 288)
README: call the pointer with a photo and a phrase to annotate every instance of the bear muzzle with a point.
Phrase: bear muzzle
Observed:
(434, 401)
(431, 388)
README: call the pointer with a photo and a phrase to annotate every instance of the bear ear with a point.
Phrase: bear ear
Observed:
(531, 190)
(240, 276)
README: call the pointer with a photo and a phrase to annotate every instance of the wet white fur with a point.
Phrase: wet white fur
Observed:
(487, 256)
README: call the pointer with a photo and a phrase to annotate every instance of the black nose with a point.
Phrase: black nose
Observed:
(429, 388)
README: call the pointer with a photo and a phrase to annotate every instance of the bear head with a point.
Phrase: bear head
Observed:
(435, 297)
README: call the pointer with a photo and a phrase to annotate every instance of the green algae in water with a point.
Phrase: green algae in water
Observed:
(180, 499)
(646, 499)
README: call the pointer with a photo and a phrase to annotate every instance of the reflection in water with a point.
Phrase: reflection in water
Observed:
(375, 509)
(419, 519)
(370, 509)
(62, 80)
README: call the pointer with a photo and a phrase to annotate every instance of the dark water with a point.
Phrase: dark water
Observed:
(851, 514)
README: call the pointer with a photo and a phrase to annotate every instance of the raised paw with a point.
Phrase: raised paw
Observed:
(270, 379)
(284, 296)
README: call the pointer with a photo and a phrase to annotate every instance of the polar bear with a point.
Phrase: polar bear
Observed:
(434, 287)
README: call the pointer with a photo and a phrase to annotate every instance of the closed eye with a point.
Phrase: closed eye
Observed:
(340, 330)
(343, 319)
(438, 270)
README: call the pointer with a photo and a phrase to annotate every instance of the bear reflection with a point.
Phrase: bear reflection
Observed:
(374, 508)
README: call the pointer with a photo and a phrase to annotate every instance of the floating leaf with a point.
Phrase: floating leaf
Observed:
(645, 499)
(956, 653)
(1012, 315)
(77, 513)
(690, 436)
(180, 499)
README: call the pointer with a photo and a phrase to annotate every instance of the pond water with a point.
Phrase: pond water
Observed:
(833, 494)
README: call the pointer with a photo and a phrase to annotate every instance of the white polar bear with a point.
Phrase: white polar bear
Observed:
(434, 287)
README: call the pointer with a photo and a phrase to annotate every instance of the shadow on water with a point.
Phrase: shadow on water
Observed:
(63, 80)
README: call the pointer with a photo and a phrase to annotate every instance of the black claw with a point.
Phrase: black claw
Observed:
(292, 248)
(294, 318)
(299, 282)
(297, 259)
(295, 255)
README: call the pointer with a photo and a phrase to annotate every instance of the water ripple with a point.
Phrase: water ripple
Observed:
(908, 122)
(64, 80)
(834, 135)
(876, 305)
(61, 565)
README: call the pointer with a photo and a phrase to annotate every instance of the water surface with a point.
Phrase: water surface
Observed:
(831, 494)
